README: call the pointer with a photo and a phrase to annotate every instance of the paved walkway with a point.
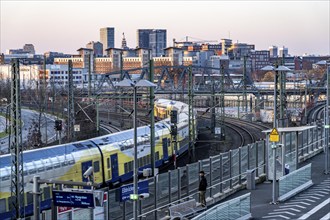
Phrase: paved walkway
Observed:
(262, 195)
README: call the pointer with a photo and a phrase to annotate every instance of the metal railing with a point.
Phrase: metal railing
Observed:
(238, 208)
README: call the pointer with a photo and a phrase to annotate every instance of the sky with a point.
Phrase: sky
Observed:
(65, 26)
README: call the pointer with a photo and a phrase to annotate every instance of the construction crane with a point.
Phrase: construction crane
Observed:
(191, 40)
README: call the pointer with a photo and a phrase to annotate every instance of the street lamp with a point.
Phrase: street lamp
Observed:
(133, 84)
(275, 124)
(326, 119)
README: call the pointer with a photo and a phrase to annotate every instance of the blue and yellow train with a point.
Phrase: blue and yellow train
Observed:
(111, 157)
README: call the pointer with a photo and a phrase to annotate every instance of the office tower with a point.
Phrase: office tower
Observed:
(154, 39)
(142, 38)
(157, 42)
(273, 51)
(107, 38)
(283, 51)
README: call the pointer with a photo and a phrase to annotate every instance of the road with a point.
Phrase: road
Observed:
(28, 117)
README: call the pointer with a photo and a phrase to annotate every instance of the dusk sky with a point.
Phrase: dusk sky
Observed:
(65, 26)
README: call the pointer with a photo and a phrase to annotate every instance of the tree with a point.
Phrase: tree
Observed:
(268, 77)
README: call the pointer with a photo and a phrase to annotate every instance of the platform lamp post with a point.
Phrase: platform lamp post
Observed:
(135, 84)
(275, 124)
(326, 118)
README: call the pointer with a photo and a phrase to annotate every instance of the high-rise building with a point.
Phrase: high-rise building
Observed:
(107, 38)
(283, 51)
(142, 38)
(154, 39)
(273, 51)
(157, 42)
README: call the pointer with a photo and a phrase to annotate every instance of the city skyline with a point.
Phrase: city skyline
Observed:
(301, 26)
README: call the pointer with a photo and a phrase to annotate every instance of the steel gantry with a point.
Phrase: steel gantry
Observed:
(172, 79)
(71, 114)
(16, 147)
(191, 122)
(283, 114)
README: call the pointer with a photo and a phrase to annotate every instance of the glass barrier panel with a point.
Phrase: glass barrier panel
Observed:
(174, 185)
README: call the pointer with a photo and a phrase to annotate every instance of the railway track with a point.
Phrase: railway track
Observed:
(127, 117)
(316, 113)
(246, 132)
(109, 128)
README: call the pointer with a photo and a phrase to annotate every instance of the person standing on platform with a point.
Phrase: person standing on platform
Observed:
(202, 189)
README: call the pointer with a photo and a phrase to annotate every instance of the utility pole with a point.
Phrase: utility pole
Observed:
(326, 124)
(152, 116)
(46, 100)
(121, 66)
(222, 102)
(283, 106)
(191, 121)
(244, 85)
(97, 115)
(71, 115)
(53, 93)
(213, 104)
(36, 197)
(276, 89)
(89, 76)
(16, 148)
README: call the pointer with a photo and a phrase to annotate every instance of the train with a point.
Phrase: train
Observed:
(110, 156)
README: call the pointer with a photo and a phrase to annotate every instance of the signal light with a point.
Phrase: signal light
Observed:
(174, 130)
(174, 116)
(58, 125)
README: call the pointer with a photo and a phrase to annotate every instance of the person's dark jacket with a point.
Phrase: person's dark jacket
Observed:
(202, 184)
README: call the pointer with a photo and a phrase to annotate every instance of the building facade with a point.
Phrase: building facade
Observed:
(273, 51)
(29, 75)
(58, 76)
(176, 55)
(283, 51)
(97, 48)
(142, 38)
(29, 48)
(157, 42)
(107, 38)
(260, 59)
(77, 62)
(225, 45)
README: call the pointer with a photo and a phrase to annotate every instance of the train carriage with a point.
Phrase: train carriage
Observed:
(111, 157)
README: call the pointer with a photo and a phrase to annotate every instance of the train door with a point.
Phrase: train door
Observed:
(84, 167)
(165, 149)
(114, 166)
